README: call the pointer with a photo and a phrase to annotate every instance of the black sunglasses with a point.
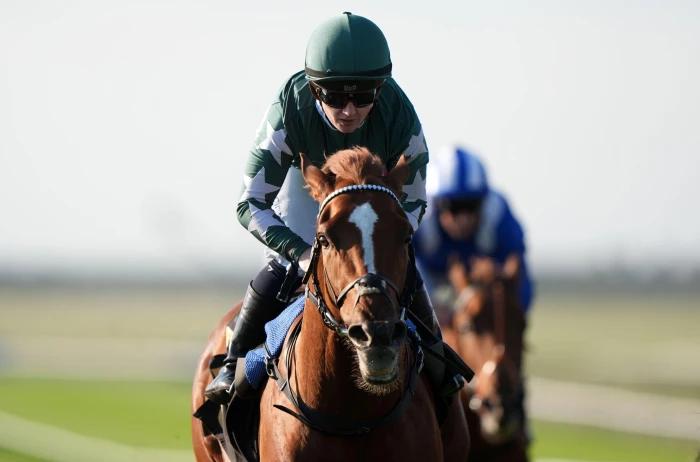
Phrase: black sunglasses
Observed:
(459, 205)
(340, 99)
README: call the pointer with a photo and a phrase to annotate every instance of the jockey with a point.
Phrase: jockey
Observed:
(344, 97)
(465, 219)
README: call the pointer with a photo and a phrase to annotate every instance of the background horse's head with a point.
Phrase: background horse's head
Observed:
(363, 258)
(489, 325)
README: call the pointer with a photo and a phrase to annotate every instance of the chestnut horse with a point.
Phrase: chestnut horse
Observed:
(486, 329)
(347, 384)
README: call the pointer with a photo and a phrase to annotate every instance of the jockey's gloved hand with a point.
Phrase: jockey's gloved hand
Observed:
(305, 260)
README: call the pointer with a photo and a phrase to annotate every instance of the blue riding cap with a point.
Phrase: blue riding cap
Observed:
(455, 173)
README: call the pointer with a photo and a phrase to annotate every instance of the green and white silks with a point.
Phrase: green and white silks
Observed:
(275, 207)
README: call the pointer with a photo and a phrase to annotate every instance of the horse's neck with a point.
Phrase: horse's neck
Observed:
(506, 320)
(324, 373)
(514, 325)
(481, 347)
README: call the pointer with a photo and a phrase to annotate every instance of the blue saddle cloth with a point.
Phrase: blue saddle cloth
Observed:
(276, 331)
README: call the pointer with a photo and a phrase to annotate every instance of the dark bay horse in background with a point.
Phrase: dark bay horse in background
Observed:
(348, 385)
(486, 329)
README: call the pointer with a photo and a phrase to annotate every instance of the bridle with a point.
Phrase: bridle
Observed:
(370, 283)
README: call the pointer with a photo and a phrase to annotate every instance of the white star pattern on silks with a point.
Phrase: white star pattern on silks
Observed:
(415, 191)
(416, 145)
(256, 187)
(262, 219)
(413, 219)
(274, 142)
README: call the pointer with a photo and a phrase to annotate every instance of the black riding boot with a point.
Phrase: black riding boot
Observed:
(248, 332)
(447, 376)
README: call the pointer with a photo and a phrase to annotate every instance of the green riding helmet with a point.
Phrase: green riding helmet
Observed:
(347, 48)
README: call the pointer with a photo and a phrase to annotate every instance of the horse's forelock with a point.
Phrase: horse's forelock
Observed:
(355, 166)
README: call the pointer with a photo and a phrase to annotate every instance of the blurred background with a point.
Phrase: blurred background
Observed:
(124, 127)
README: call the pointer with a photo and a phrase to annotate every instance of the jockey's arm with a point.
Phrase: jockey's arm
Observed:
(414, 200)
(512, 265)
(266, 168)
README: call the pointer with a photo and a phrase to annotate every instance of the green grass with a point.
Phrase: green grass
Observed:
(146, 414)
(155, 414)
(642, 342)
(11, 456)
(555, 440)
(127, 314)
(155, 334)
(646, 342)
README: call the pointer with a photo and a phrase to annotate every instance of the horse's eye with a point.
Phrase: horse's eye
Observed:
(323, 240)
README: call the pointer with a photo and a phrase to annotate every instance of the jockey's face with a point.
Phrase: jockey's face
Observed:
(347, 119)
(460, 219)
(459, 216)
(460, 225)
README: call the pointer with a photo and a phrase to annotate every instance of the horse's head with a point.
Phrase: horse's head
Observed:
(493, 396)
(361, 260)
(488, 321)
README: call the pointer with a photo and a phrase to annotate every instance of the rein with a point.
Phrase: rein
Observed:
(371, 283)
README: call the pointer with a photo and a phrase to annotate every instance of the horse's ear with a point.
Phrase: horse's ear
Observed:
(511, 268)
(316, 180)
(398, 175)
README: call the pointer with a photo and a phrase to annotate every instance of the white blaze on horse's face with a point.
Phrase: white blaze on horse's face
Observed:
(364, 217)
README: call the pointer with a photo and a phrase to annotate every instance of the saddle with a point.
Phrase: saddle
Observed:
(236, 424)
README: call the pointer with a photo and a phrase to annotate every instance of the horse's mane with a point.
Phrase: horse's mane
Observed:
(356, 165)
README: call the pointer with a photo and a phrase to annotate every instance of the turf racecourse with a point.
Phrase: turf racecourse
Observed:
(150, 420)
(84, 372)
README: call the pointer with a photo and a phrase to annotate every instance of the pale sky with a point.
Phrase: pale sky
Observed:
(124, 125)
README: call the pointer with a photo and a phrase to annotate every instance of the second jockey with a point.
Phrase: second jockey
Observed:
(466, 218)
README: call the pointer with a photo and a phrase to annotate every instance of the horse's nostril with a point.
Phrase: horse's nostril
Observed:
(357, 334)
(377, 333)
